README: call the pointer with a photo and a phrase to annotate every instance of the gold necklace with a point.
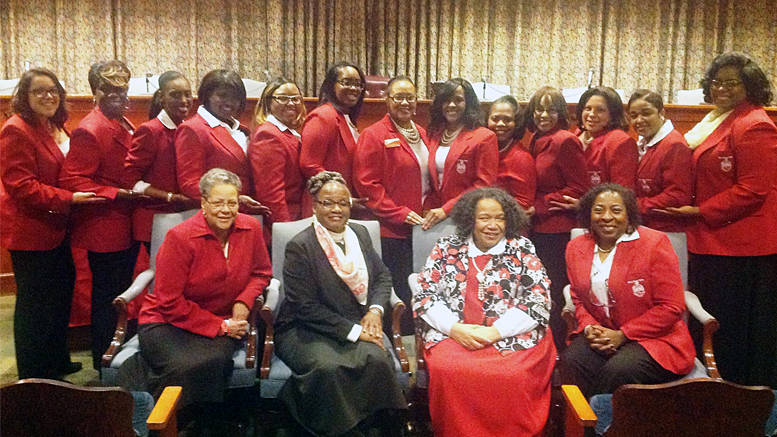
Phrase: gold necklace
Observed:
(481, 277)
(411, 134)
(605, 251)
(448, 138)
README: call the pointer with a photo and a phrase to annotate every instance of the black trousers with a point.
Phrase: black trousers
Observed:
(596, 373)
(741, 293)
(398, 257)
(44, 293)
(551, 249)
(111, 276)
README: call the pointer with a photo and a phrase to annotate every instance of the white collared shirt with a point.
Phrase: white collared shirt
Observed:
(282, 127)
(600, 271)
(665, 130)
(240, 138)
(439, 162)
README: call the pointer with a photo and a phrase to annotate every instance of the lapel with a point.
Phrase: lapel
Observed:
(47, 142)
(326, 268)
(345, 132)
(123, 136)
(539, 142)
(459, 146)
(721, 132)
(224, 139)
(650, 155)
(402, 141)
(434, 144)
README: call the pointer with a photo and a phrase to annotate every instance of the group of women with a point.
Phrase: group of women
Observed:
(489, 295)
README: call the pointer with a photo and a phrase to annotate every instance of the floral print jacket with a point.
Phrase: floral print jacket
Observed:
(516, 280)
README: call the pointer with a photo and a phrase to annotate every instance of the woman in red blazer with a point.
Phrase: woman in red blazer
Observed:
(611, 154)
(95, 163)
(732, 244)
(664, 176)
(152, 155)
(516, 173)
(629, 300)
(462, 153)
(33, 144)
(391, 171)
(329, 135)
(561, 178)
(274, 152)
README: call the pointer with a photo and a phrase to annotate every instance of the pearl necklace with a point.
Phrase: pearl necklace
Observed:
(411, 134)
(481, 276)
(447, 138)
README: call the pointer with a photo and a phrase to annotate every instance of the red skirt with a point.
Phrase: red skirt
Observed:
(485, 393)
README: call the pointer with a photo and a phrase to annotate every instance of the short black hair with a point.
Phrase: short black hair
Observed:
(463, 213)
(651, 97)
(757, 86)
(327, 92)
(473, 115)
(518, 114)
(558, 102)
(627, 195)
(221, 78)
(156, 100)
(20, 102)
(399, 78)
(614, 106)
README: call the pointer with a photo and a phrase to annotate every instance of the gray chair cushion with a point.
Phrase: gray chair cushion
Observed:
(424, 241)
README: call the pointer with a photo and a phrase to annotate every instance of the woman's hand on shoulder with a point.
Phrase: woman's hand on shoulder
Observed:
(413, 219)
(471, 337)
(81, 197)
(569, 204)
(433, 217)
(251, 206)
(681, 211)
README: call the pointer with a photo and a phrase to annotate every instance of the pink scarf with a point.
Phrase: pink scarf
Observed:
(349, 266)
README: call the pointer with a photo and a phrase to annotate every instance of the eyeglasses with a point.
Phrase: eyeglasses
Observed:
(726, 84)
(399, 98)
(351, 84)
(110, 91)
(218, 204)
(550, 111)
(43, 92)
(328, 204)
(284, 100)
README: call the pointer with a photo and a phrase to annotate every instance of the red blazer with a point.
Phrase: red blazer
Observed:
(516, 174)
(196, 286)
(278, 182)
(95, 163)
(327, 144)
(561, 171)
(472, 162)
(151, 159)
(736, 187)
(34, 210)
(199, 148)
(386, 170)
(612, 156)
(647, 289)
(665, 178)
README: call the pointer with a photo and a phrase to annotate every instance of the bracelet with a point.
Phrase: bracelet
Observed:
(169, 196)
(375, 311)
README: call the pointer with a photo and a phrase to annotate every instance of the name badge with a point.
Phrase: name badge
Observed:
(391, 142)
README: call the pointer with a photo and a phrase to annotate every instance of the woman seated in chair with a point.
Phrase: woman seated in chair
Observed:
(484, 304)
(329, 329)
(209, 271)
(629, 301)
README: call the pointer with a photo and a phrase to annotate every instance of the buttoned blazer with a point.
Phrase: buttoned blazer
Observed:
(34, 208)
(386, 170)
(95, 163)
(665, 179)
(516, 174)
(327, 144)
(199, 148)
(472, 162)
(612, 156)
(647, 291)
(736, 187)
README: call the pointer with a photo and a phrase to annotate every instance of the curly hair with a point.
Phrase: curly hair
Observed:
(518, 115)
(557, 102)
(614, 107)
(263, 105)
(218, 176)
(627, 195)
(317, 182)
(757, 86)
(463, 213)
(326, 93)
(473, 115)
(20, 103)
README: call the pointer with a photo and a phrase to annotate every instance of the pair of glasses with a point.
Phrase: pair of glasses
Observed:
(43, 92)
(328, 204)
(114, 92)
(727, 85)
(399, 98)
(284, 100)
(550, 111)
(351, 84)
(218, 204)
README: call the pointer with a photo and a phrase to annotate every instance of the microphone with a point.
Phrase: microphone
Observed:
(590, 77)
(484, 87)
(148, 82)
(267, 77)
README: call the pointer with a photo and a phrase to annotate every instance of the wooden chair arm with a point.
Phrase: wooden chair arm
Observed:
(419, 354)
(269, 341)
(571, 321)
(120, 304)
(163, 416)
(396, 331)
(579, 414)
(710, 326)
(251, 338)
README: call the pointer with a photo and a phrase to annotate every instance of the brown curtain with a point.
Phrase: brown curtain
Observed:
(663, 45)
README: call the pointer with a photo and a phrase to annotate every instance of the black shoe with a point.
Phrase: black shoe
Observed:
(71, 367)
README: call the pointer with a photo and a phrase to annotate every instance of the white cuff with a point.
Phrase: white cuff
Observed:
(379, 307)
(355, 333)
(140, 186)
(514, 322)
(441, 318)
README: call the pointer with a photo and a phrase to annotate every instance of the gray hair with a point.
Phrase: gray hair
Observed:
(317, 182)
(217, 176)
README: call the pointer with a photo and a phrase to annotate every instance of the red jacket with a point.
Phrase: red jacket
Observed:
(472, 162)
(665, 178)
(278, 182)
(199, 148)
(95, 163)
(736, 187)
(386, 170)
(196, 286)
(327, 144)
(647, 289)
(516, 174)
(561, 171)
(151, 159)
(34, 210)
(612, 156)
